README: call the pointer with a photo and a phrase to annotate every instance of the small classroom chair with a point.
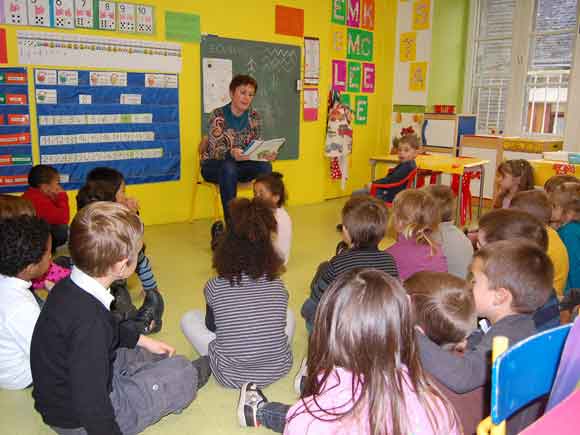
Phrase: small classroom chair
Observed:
(214, 188)
(408, 182)
(521, 374)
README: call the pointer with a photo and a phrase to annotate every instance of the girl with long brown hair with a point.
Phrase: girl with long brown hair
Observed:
(364, 372)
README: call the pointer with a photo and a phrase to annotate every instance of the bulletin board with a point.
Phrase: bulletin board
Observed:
(125, 120)
(15, 145)
(276, 67)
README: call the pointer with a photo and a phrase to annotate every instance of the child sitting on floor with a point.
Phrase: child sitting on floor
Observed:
(457, 248)
(445, 312)
(416, 219)
(566, 215)
(108, 184)
(538, 205)
(25, 245)
(364, 372)
(50, 201)
(511, 177)
(511, 279)
(556, 180)
(270, 188)
(92, 374)
(247, 328)
(509, 224)
(364, 222)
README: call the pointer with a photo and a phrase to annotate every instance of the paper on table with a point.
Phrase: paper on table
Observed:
(259, 148)
(217, 75)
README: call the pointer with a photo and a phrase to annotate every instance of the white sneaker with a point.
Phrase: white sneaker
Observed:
(251, 399)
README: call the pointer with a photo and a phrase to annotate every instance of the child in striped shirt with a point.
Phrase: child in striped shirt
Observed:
(247, 327)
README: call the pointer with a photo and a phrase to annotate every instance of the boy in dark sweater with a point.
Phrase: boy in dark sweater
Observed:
(510, 279)
(88, 375)
(364, 222)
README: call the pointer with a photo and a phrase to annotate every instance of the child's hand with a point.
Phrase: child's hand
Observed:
(270, 156)
(155, 346)
(48, 285)
(238, 154)
(132, 204)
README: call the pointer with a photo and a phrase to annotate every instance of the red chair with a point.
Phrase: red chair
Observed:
(408, 182)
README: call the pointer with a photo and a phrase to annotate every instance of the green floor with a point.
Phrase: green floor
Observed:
(182, 263)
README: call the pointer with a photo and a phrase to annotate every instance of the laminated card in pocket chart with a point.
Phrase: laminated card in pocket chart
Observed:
(107, 15)
(145, 19)
(84, 16)
(45, 77)
(39, 13)
(63, 14)
(126, 17)
(68, 78)
(15, 12)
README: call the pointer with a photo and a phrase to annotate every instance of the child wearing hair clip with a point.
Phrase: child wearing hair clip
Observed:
(512, 176)
(415, 219)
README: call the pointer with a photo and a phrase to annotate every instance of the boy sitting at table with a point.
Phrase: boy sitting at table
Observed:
(407, 150)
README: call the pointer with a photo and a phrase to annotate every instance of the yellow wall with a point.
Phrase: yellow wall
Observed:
(307, 179)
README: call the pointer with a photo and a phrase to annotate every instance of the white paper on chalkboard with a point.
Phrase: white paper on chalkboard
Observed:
(217, 75)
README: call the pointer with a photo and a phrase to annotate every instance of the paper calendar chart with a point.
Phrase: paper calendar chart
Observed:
(145, 19)
(39, 13)
(107, 15)
(16, 12)
(84, 14)
(63, 14)
(125, 120)
(126, 17)
(15, 144)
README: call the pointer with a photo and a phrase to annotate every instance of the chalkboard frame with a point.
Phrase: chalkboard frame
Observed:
(280, 112)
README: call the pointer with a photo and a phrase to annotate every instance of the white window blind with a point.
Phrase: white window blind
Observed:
(492, 71)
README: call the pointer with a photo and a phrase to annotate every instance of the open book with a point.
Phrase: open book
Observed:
(260, 148)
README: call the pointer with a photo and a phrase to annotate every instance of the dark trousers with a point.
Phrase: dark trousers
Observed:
(273, 416)
(228, 173)
(59, 235)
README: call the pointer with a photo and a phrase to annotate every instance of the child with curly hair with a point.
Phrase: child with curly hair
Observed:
(247, 327)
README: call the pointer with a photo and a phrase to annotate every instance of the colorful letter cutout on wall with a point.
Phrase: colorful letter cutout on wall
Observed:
(353, 13)
(339, 11)
(339, 74)
(361, 109)
(368, 77)
(345, 99)
(354, 75)
(338, 43)
(359, 44)
(367, 17)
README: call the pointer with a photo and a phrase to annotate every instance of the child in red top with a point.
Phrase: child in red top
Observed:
(50, 201)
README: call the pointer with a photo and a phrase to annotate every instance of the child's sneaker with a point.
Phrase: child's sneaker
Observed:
(251, 399)
(300, 377)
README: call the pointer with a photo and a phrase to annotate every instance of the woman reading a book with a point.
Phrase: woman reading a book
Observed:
(231, 129)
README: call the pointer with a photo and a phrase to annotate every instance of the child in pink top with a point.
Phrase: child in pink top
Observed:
(415, 219)
(364, 375)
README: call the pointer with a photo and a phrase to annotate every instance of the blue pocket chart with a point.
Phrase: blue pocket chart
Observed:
(125, 120)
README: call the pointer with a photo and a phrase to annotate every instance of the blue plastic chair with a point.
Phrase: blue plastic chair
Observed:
(522, 374)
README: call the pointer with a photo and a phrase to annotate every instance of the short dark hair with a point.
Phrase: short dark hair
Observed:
(508, 224)
(94, 191)
(41, 174)
(23, 241)
(107, 175)
(275, 185)
(246, 247)
(535, 202)
(555, 181)
(444, 199)
(443, 304)
(365, 218)
(522, 268)
(243, 80)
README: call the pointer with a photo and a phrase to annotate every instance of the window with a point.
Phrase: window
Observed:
(522, 59)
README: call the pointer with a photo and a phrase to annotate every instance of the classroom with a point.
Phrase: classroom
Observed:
(333, 216)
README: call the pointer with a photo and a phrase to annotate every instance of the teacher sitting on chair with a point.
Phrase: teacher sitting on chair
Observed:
(231, 129)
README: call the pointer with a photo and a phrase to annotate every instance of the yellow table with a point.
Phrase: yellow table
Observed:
(545, 169)
(446, 164)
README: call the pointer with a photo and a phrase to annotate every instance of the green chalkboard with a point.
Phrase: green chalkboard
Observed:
(276, 67)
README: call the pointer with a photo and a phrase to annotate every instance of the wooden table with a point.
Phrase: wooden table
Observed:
(446, 164)
(545, 169)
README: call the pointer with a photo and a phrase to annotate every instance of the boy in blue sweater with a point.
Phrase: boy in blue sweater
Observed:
(91, 374)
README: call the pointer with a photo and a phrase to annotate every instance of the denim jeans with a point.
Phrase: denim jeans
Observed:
(228, 173)
(273, 416)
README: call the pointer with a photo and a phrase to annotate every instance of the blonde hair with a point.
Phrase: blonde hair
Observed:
(102, 234)
(417, 216)
(13, 206)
